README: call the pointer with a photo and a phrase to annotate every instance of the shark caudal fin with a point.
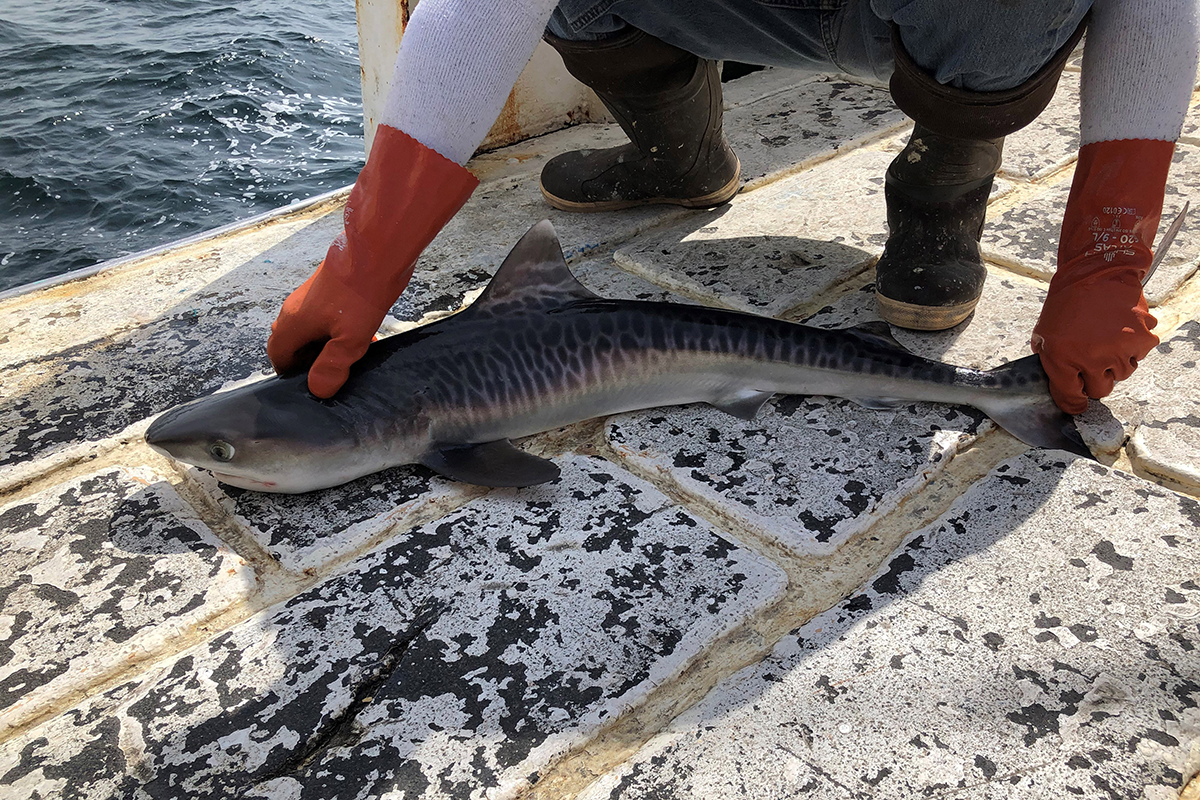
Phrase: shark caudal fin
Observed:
(1019, 402)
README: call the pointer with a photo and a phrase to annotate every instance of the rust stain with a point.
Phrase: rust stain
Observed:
(508, 126)
(401, 22)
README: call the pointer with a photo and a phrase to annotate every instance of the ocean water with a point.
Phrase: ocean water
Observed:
(125, 124)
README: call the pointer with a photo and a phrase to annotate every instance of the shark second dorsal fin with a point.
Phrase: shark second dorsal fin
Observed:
(534, 272)
(877, 330)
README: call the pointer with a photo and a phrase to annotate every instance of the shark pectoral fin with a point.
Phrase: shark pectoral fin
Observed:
(877, 403)
(743, 404)
(498, 463)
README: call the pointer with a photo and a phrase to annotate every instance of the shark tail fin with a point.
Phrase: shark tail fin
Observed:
(1021, 404)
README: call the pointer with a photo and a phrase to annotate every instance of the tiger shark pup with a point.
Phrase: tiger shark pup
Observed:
(538, 351)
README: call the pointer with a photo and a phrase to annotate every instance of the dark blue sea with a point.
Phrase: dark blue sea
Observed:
(125, 124)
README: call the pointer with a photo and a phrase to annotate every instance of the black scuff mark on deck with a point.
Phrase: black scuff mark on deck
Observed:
(1038, 721)
(344, 728)
(1107, 553)
(890, 581)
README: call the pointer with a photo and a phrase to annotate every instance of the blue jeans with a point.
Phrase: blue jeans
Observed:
(980, 46)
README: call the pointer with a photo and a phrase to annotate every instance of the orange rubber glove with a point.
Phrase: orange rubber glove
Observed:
(404, 195)
(1095, 325)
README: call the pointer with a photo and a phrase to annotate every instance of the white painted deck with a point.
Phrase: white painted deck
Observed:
(826, 602)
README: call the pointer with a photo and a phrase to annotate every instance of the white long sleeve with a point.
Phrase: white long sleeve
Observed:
(1139, 68)
(457, 63)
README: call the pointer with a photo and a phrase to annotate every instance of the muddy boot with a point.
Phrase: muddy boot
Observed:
(931, 275)
(668, 102)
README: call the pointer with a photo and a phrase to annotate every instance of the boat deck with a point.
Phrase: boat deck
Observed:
(826, 602)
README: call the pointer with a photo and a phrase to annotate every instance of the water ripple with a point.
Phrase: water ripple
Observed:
(130, 123)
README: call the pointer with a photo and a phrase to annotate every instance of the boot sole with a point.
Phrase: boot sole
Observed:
(710, 200)
(923, 318)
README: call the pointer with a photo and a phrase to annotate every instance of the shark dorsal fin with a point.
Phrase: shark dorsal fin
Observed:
(534, 272)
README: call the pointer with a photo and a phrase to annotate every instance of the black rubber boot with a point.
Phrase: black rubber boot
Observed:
(668, 102)
(930, 276)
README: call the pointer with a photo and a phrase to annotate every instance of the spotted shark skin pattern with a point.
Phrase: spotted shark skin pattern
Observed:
(540, 370)
(550, 364)
(612, 352)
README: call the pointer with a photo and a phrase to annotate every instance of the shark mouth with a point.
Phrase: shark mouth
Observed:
(242, 482)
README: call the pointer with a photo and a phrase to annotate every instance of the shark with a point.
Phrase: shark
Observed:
(537, 351)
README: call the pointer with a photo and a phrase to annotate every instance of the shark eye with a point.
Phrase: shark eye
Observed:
(221, 451)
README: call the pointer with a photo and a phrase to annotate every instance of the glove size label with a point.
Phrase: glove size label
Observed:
(1117, 238)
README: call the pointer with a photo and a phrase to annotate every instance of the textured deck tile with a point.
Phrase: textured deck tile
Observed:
(1191, 125)
(811, 120)
(97, 571)
(1051, 141)
(497, 216)
(1159, 409)
(97, 389)
(1000, 653)
(778, 246)
(305, 531)
(448, 273)
(606, 279)
(189, 280)
(1170, 449)
(809, 472)
(762, 84)
(996, 333)
(1027, 234)
(133, 360)
(457, 660)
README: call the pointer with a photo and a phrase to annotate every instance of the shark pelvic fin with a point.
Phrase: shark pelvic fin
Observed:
(877, 403)
(743, 404)
(534, 272)
(498, 463)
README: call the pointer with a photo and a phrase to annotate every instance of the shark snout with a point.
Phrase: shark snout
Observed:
(166, 430)
(196, 433)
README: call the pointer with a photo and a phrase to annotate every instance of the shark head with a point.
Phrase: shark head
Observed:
(274, 436)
